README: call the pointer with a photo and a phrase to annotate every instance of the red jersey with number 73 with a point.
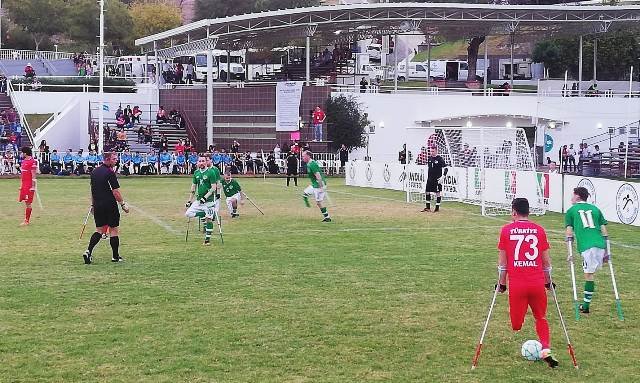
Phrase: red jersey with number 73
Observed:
(524, 243)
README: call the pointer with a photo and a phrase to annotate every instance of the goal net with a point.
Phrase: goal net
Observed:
(488, 167)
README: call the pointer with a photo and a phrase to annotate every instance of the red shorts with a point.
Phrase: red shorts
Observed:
(521, 297)
(26, 195)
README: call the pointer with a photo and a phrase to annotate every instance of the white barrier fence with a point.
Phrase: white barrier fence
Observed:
(618, 200)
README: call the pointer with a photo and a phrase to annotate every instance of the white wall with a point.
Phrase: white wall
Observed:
(72, 130)
(401, 111)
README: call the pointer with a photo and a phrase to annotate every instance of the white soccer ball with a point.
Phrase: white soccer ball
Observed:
(531, 350)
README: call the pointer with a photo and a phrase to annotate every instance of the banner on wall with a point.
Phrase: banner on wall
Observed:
(288, 96)
(376, 175)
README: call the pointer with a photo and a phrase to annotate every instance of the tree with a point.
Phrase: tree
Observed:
(211, 9)
(40, 18)
(150, 18)
(346, 122)
(84, 29)
(472, 57)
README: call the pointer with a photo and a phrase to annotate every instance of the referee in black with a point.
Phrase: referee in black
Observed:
(435, 173)
(105, 197)
(292, 168)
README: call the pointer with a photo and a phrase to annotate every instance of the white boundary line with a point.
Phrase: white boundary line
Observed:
(155, 220)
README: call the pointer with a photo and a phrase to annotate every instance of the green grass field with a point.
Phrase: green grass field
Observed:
(383, 293)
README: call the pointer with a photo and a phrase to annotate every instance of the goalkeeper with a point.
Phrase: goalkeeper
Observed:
(233, 192)
(205, 189)
(436, 170)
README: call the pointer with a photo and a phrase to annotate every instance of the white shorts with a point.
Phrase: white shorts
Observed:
(317, 193)
(209, 209)
(592, 259)
(229, 200)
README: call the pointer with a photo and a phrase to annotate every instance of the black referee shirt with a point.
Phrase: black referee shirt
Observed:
(103, 181)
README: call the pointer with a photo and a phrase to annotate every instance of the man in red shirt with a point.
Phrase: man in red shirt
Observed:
(318, 118)
(28, 168)
(524, 257)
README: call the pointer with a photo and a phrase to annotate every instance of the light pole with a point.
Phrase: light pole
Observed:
(56, 46)
(101, 81)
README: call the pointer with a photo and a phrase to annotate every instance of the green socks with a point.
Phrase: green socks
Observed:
(208, 229)
(324, 211)
(200, 214)
(305, 198)
(589, 288)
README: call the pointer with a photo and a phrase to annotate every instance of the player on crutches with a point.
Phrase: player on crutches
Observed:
(587, 223)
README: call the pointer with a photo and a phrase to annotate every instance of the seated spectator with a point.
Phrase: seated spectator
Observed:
(92, 161)
(165, 161)
(68, 161)
(93, 146)
(56, 166)
(79, 159)
(193, 160)
(121, 138)
(137, 160)
(125, 160)
(161, 116)
(148, 135)
(235, 147)
(36, 84)
(128, 112)
(216, 158)
(120, 122)
(181, 163)
(29, 72)
(164, 143)
(141, 134)
(136, 113)
(621, 148)
(152, 161)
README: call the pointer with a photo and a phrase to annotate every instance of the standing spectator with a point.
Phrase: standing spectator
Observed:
(318, 118)
(148, 135)
(276, 152)
(572, 158)
(292, 168)
(363, 85)
(564, 154)
(119, 112)
(344, 156)
(141, 131)
(93, 146)
(189, 73)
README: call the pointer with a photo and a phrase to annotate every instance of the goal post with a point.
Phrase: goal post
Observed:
(488, 167)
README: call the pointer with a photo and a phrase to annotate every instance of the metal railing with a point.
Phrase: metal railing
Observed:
(20, 111)
(24, 54)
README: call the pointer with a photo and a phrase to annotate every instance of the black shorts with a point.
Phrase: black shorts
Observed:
(433, 186)
(108, 215)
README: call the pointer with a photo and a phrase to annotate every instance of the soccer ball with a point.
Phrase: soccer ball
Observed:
(531, 350)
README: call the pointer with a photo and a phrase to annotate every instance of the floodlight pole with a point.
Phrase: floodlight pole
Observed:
(486, 59)
(511, 35)
(428, 61)
(595, 59)
(210, 97)
(308, 60)
(580, 68)
(395, 63)
(101, 82)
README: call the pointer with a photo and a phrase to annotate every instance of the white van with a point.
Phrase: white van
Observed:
(220, 65)
(133, 66)
(454, 70)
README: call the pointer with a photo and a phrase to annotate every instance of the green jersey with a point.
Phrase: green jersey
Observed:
(230, 188)
(312, 169)
(204, 180)
(586, 220)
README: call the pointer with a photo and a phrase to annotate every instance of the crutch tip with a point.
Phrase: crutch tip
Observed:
(473, 367)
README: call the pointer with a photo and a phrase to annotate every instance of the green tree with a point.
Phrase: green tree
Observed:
(40, 18)
(211, 9)
(150, 18)
(346, 122)
(84, 29)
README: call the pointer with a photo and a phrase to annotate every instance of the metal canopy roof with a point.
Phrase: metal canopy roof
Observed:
(331, 24)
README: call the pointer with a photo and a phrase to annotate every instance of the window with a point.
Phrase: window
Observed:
(464, 66)
(420, 68)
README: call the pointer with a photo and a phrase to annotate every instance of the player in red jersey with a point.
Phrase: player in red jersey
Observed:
(524, 257)
(28, 168)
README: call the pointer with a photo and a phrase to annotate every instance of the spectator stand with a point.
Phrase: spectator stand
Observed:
(618, 153)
